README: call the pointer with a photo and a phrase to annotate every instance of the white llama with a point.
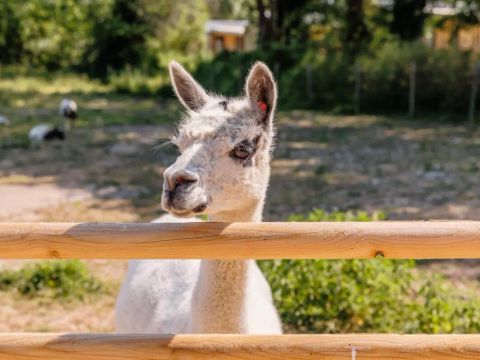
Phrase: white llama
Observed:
(223, 171)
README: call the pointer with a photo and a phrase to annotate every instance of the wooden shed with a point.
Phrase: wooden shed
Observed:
(466, 37)
(230, 35)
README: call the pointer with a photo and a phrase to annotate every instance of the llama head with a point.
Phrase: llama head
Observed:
(225, 145)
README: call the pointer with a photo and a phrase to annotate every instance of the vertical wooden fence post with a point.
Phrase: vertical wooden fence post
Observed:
(473, 96)
(412, 85)
(276, 70)
(309, 80)
(358, 88)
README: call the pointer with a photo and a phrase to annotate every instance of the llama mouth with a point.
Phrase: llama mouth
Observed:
(197, 210)
(200, 208)
(184, 214)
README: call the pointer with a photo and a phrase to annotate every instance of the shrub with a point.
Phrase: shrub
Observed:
(321, 296)
(60, 279)
(442, 78)
(137, 82)
(321, 215)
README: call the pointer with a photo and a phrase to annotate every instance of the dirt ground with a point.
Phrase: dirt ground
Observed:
(410, 170)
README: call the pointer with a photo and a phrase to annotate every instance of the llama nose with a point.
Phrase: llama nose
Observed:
(181, 179)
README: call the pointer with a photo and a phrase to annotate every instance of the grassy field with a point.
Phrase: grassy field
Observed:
(108, 170)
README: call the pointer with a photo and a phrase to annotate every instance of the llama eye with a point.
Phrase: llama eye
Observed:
(241, 152)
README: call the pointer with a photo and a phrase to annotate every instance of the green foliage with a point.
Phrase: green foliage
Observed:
(442, 78)
(226, 72)
(408, 18)
(134, 81)
(101, 36)
(55, 34)
(11, 46)
(59, 279)
(380, 295)
(119, 39)
(331, 77)
(175, 31)
(321, 215)
(129, 44)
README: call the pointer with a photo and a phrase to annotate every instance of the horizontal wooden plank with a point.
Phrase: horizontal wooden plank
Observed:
(327, 240)
(26, 346)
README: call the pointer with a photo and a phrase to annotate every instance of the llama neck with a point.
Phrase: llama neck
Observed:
(252, 213)
(219, 298)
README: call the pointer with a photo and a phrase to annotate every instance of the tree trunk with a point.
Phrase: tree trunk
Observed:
(408, 18)
(265, 31)
(356, 29)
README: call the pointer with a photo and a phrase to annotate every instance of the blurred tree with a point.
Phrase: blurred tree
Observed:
(176, 29)
(11, 46)
(119, 39)
(289, 21)
(408, 18)
(331, 23)
(147, 34)
(282, 21)
(231, 9)
(468, 11)
(54, 33)
(356, 31)
(265, 25)
(379, 20)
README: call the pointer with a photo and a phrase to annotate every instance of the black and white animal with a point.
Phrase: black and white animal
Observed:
(68, 109)
(45, 132)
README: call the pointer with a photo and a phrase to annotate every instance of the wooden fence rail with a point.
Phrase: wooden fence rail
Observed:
(348, 240)
(340, 240)
(26, 346)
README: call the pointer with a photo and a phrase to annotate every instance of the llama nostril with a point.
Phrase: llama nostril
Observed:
(184, 179)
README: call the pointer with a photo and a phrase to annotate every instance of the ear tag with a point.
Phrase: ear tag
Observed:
(263, 106)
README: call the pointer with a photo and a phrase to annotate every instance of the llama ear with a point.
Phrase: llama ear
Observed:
(261, 91)
(189, 92)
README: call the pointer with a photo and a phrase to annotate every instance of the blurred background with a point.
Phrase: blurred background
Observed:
(377, 120)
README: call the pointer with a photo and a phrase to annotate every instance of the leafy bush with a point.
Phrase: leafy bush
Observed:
(137, 82)
(61, 279)
(378, 295)
(226, 72)
(443, 77)
(321, 215)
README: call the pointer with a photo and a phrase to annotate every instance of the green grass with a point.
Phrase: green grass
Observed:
(51, 84)
(67, 279)
(139, 83)
(31, 100)
(381, 295)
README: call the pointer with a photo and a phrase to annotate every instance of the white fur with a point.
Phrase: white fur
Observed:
(4, 120)
(209, 296)
(156, 297)
(67, 106)
(38, 132)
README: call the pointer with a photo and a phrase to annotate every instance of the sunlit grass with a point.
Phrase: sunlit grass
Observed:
(30, 100)
(54, 84)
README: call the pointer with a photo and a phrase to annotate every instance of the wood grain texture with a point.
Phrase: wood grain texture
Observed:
(346, 240)
(26, 346)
